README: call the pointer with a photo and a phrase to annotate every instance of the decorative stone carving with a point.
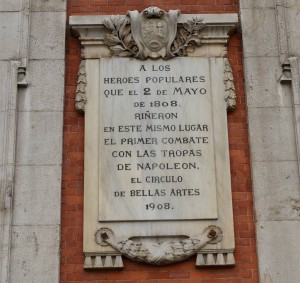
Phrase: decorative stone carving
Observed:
(81, 99)
(230, 96)
(222, 258)
(187, 37)
(149, 34)
(160, 254)
(202, 39)
(120, 40)
(154, 31)
(153, 34)
(103, 262)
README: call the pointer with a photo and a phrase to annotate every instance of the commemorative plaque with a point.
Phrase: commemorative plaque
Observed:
(155, 87)
(156, 155)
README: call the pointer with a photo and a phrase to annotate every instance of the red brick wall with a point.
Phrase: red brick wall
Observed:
(72, 258)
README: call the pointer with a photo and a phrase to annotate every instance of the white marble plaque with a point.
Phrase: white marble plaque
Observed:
(156, 139)
(156, 153)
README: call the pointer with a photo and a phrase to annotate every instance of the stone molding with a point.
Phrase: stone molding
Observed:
(204, 259)
(220, 258)
(99, 261)
(92, 32)
(291, 75)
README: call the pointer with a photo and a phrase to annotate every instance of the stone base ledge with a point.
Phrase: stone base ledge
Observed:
(216, 258)
(116, 262)
(103, 262)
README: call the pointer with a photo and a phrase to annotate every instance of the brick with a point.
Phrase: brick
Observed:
(179, 274)
(158, 275)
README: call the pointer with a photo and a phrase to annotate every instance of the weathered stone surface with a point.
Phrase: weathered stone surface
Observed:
(267, 92)
(47, 35)
(1, 202)
(278, 251)
(294, 23)
(272, 135)
(259, 27)
(48, 5)
(2, 137)
(10, 5)
(292, 4)
(276, 196)
(4, 65)
(46, 91)
(37, 195)
(9, 35)
(250, 4)
(39, 138)
(35, 254)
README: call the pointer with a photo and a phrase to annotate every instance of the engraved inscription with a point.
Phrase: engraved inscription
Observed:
(156, 141)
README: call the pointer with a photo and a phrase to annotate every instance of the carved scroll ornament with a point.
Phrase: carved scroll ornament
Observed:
(160, 254)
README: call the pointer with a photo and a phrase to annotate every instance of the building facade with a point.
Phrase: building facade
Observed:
(42, 143)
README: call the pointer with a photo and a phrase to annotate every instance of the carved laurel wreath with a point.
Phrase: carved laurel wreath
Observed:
(120, 41)
(187, 37)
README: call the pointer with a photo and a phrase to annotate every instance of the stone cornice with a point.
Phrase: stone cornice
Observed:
(91, 32)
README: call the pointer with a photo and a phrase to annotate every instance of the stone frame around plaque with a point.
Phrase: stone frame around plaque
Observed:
(211, 239)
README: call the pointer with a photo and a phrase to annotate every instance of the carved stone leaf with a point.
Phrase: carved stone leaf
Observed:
(195, 40)
(109, 23)
(122, 29)
(111, 40)
(175, 45)
(190, 49)
(117, 49)
(184, 52)
(183, 33)
(179, 41)
(125, 54)
(187, 26)
(126, 30)
(120, 22)
(127, 39)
